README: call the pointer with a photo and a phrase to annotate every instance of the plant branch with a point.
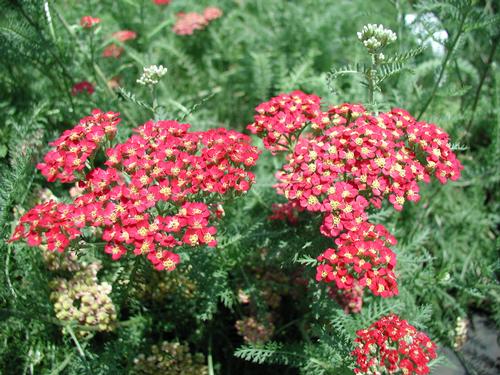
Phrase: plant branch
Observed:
(481, 82)
(444, 64)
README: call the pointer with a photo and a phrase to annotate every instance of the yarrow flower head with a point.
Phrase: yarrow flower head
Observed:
(88, 22)
(84, 86)
(281, 119)
(212, 13)
(170, 358)
(114, 50)
(84, 300)
(362, 259)
(254, 331)
(188, 23)
(393, 346)
(376, 37)
(151, 75)
(159, 190)
(349, 162)
(75, 146)
(162, 2)
(124, 35)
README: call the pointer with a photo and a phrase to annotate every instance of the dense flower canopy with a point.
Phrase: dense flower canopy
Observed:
(158, 190)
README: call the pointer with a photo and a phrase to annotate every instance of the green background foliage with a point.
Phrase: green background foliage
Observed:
(447, 243)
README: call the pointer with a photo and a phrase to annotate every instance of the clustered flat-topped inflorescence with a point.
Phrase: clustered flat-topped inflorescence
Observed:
(348, 163)
(188, 23)
(392, 346)
(159, 190)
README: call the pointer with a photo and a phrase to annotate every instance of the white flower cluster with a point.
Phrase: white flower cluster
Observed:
(461, 330)
(151, 75)
(374, 37)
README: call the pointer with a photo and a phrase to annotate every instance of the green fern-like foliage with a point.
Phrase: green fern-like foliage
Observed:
(447, 243)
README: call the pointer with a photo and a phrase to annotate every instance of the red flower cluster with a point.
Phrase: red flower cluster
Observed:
(363, 259)
(113, 50)
(80, 87)
(351, 161)
(280, 120)
(351, 300)
(146, 200)
(393, 346)
(285, 211)
(88, 22)
(49, 224)
(162, 2)
(187, 23)
(76, 145)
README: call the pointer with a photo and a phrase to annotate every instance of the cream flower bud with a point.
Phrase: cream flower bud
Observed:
(151, 75)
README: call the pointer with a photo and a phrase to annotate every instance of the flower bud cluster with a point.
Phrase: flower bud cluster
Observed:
(254, 331)
(375, 37)
(392, 346)
(61, 262)
(159, 286)
(170, 358)
(84, 300)
(351, 300)
(257, 326)
(151, 75)
(461, 331)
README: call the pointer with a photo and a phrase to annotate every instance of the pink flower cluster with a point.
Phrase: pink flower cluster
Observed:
(114, 50)
(146, 198)
(188, 23)
(393, 346)
(352, 161)
(281, 120)
(88, 22)
(162, 2)
(254, 331)
(76, 145)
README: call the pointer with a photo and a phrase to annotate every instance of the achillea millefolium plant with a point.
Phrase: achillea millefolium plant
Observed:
(257, 193)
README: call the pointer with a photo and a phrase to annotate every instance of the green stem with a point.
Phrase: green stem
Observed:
(371, 77)
(79, 348)
(49, 20)
(7, 273)
(65, 74)
(444, 64)
(112, 94)
(95, 67)
(209, 357)
(483, 77)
